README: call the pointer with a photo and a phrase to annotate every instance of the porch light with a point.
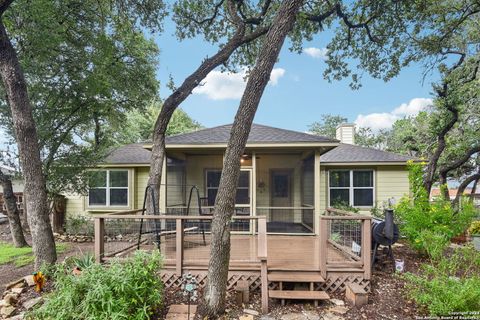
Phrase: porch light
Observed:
(244, 157)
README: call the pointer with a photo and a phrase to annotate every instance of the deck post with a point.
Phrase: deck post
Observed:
(99, 239)
(253, 204)
(367, 247)
(323, 246)
(262, 255)
(179, 247)
(316, 192)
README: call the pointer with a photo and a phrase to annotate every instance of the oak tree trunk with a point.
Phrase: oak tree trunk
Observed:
(43, 244)
(59, 207)
(215, 290)
(12, 212)
(172, 103)
(181, 93)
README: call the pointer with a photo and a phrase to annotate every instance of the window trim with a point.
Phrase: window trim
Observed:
(244, 205)
(351, 188)
(107, 189)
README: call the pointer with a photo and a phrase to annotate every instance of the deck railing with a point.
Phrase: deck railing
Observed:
(345, 242)
(176, 235)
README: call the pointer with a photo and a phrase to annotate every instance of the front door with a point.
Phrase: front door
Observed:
(281, 194)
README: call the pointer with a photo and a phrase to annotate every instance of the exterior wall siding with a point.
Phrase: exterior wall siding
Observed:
(392, 182)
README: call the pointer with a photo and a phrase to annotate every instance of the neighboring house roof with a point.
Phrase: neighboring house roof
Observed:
(258, 134)
(436, 192)
(348, 153)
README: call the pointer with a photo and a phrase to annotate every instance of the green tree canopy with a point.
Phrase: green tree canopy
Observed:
(139, 125)
(87, 64)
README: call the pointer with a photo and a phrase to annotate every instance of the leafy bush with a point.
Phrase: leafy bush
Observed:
(82, 261)
(79, 225)
(428, 224)
(129, 289)
(474, 228)
(450, 284)
(342, 205)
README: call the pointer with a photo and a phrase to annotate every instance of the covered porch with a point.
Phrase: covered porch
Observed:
(282, 185)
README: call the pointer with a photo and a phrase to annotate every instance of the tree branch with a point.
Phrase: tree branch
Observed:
(337, 8)
(463, 186)
(4, 4)
(454, 165)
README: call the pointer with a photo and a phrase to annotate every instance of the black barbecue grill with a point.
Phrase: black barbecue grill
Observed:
(384, 233)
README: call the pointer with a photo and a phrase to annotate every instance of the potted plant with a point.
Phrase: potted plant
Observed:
(474, 232)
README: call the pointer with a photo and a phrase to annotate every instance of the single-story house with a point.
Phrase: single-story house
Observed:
(291, 177)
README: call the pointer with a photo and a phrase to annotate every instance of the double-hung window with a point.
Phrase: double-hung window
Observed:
(213, 182)
(351, 187)
(108, 188)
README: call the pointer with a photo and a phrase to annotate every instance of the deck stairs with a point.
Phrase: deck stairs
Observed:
(296, 282)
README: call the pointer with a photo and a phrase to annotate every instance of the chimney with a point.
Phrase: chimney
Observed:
(346, 133)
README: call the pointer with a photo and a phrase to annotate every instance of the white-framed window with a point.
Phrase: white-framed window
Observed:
(355, 188)
(212, 182)
(108, 188)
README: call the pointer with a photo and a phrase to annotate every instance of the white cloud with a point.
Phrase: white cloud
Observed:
(385, 120)
(276, 74)
(413, 107)
(229, 85)
(317, 53)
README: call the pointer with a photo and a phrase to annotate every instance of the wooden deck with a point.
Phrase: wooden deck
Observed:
(285, 253)
(265, 261)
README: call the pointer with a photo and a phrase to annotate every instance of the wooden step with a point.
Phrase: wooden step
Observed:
(285, 276)
(298, 295)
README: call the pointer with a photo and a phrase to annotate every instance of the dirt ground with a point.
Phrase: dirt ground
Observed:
(386, 300)
(10, 272)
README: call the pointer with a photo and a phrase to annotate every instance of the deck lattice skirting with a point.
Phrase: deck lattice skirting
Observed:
(333, 283)
(173, 280)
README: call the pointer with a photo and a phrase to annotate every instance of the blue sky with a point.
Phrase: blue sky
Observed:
(299, 95)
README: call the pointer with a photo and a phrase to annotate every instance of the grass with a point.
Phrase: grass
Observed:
(21, 256)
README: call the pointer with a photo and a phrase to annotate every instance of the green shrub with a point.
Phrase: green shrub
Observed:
(79, 225)
(82, 261)
(129, 289)
(474, 228)
(427, 224)
(342, 205)
(450, 284)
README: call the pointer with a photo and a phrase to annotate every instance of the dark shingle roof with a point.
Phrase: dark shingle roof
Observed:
(258, 134)
(130, 153)
(352, 153)
(344, 153)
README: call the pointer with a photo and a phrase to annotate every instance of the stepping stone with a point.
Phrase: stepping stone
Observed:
(180, 312)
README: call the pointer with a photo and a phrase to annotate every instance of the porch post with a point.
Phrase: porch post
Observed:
(253, 208)
(163, 188)
(179, 247)
(99, 226)
(316, 191)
